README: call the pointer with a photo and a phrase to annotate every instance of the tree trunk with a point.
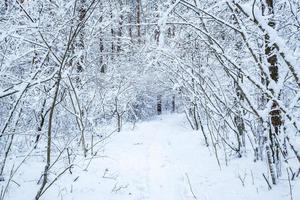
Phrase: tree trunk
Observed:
(275, 113)
(121, 18)
(173, 104)
(159, 106)
(138, 17)
(82, 13)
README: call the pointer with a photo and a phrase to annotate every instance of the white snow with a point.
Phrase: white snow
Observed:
(154, 162)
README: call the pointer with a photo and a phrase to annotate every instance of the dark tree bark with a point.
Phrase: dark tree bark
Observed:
(275, 113)
(82, 13)
(6, 4)
(121, 18)
(101, 49)
(159, 105)
(112, 32)
(138, 17)
(173, 103)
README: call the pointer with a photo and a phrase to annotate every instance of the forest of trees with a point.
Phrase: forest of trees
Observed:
(70, 67)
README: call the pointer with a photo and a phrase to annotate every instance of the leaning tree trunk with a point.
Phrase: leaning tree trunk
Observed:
(274, 113)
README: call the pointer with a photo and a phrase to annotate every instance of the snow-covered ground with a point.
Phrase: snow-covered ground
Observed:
(160, 159)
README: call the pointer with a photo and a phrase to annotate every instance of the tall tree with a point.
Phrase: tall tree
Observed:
(275, 113)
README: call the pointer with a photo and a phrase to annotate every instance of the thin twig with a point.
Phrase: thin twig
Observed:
(190, 186)
(270, 187)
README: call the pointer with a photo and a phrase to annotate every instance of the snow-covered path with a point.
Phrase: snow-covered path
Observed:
(156, 161)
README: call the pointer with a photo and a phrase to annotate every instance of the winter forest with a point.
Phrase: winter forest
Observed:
(149, 99)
